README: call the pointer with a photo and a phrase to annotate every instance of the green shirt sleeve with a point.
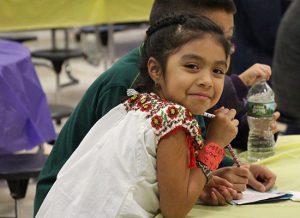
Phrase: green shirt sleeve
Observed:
(226, 162)
(201, 124)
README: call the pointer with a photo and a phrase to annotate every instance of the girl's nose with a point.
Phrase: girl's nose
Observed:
(204, 79)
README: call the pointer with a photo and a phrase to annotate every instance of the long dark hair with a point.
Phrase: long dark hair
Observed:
(167, 35)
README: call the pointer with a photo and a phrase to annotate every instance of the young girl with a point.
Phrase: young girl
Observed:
(147, 155)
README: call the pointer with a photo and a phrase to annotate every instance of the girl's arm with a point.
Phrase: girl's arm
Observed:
(179, 186)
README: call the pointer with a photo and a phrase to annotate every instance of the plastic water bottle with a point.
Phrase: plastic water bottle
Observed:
(261, 106)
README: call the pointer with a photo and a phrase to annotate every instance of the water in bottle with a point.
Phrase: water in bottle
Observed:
(261, 106)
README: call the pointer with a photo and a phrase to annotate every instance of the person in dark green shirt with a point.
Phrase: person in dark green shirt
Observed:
(109, 90)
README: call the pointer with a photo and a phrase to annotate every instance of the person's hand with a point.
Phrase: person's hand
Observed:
(261, 178)
(237, 176)
(274, 127)
(218, 192)
(254, 73)
(223, 127)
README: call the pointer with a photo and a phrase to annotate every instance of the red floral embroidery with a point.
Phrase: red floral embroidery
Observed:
(188, 115)
(156, 122)
(146, 107)
(132, 99)
(172, 112)
(142, 101)
(199, 131)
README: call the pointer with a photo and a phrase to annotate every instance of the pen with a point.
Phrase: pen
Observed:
(229, 147)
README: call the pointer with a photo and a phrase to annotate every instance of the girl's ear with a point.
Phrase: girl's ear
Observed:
(154, 69)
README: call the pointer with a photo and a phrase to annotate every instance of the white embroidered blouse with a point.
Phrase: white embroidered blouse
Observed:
(113, 171)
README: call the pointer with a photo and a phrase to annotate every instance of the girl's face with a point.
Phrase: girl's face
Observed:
(194, 75)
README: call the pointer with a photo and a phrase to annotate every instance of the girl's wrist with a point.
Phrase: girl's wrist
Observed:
(206, 171)
(210, 155)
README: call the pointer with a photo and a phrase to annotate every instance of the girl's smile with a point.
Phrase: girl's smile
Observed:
(200, 96)
(194, 75)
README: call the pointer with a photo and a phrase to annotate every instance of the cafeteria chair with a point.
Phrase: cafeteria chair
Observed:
(59, 57)
(102, 31)
(101, 48)
(58, 112)
(17, 169)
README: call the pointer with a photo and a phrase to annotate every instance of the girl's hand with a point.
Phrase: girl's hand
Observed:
(237, 176)
(219, 192)
(223, 128)
(261, 178)
(254, 73)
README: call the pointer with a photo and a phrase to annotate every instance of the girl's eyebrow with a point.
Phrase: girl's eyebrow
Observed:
(200, 59)
(192, 56)
(221, 62)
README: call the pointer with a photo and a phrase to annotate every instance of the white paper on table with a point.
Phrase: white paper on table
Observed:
(296, 196)
(251, 196)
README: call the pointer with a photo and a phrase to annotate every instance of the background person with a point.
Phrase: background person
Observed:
(286, 65)
(256, 25)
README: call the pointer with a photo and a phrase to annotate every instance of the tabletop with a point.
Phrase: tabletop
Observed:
(25, 120)
(22, 15)
(286, 164)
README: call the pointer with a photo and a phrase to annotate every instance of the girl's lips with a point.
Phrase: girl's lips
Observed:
(201, 96)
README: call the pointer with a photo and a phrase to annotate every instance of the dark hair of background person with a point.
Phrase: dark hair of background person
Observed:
(162, 7)
(167, 35)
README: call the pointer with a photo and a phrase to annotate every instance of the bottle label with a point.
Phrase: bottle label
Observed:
(261, 109)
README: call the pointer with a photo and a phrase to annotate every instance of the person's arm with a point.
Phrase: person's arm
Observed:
(183, 161)
(179, 186)
(227, 161)
(110, 98)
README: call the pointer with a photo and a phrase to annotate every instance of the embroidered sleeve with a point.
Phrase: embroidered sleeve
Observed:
(167, 117)
(174, 117)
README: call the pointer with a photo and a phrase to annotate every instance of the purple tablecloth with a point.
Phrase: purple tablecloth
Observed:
(25, 119)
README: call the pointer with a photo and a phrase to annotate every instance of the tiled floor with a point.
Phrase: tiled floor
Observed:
(86, 73)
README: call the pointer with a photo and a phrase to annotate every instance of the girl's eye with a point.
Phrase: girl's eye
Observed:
(219, 71)
(192, 66)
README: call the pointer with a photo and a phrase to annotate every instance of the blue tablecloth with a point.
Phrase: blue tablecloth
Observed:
(25, 119)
